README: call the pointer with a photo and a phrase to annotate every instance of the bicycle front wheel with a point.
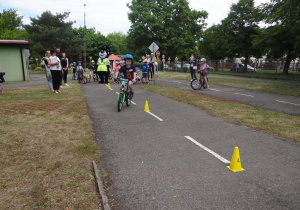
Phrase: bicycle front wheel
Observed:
(196, 84)
(84, 80)
(127, 99)
(120, 102)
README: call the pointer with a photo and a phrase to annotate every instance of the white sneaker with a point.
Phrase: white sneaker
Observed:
(61, 86)
(66, 84)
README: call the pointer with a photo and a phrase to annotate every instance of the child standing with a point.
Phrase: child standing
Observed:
(1, 81)
(74, 70)
(79, 71)
(145, 68)
(116, 68)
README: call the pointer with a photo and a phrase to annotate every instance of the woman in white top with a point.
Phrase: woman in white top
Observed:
(56, 71)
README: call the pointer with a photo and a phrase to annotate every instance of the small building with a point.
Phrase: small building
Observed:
(113, 59)
(13, 59)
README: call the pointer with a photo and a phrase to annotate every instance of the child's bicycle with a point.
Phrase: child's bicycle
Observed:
(124, 95)
(81, 78)
(197, 84)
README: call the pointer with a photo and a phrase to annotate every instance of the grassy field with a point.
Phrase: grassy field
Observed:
(282, 125)
(282, 89)
(47, 145)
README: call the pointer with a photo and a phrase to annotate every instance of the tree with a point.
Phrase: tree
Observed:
(11, 25)
(173, 26)
(283, 37)
(119, 41)
(50, 31)
(240, 29)
(213, 45)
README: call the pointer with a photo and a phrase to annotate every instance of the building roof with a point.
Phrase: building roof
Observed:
(113, 57)
(13, 42)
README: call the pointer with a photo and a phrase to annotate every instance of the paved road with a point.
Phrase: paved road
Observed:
(269, 101)
(153, 165)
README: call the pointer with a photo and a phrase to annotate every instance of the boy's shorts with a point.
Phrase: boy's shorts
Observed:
(145, 74)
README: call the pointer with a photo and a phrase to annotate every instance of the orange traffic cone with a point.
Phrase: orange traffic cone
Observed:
(146, 109)
(235, 164)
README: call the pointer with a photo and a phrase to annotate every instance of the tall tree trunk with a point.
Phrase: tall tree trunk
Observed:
(287, 63)
(246, 63)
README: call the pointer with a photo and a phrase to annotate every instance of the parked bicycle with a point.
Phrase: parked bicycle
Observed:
(124, 95)
(197, 84)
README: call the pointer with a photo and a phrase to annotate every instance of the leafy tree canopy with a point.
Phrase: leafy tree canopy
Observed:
(173, 26)
(50, 31)
(11, 25)
(240, 28)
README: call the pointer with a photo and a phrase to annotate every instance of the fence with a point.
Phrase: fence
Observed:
(220, 65)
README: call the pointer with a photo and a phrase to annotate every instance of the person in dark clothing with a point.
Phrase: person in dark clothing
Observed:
(64, 65)
(79, 59)
(193, 66)
(2, 80)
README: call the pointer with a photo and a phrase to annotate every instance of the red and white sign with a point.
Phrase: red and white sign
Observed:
(157, 53)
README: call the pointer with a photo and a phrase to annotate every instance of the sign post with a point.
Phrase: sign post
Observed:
(153, 48)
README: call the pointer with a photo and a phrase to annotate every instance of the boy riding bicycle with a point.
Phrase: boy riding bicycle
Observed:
(129, 73)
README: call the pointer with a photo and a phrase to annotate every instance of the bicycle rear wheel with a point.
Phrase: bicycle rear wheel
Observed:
(196, 84)
(120, 102)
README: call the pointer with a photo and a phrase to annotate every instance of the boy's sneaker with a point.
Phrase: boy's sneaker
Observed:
(130, 94)
(61, 86)
(66, 84)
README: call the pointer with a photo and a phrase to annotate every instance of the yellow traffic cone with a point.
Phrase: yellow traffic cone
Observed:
(235, 164)
(108, 85)
(146, 109)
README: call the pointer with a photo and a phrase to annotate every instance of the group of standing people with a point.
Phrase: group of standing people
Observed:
(56, 66)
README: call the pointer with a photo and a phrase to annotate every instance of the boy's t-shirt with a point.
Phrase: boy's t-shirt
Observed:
(80, 68)
(127, 72)
(145, 68)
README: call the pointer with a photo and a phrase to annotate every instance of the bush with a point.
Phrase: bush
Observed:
(185, 69)
(33, 66)
(38, 68)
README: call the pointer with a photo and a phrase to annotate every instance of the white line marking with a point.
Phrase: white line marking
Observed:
(208, 150)
(213, 89)
(243, 94)
(288, 103)
(176, 81)
(117, 92)
(155, 116)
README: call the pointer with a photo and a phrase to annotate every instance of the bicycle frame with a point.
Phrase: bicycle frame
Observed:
(124, 94)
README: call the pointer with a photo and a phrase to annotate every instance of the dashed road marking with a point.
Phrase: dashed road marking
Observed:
(244, 95)
(208, 150)
(155, 116)
(213, 89)
(288, 103)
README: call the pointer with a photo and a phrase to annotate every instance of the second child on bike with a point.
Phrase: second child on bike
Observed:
(203, 70)
(129, 73)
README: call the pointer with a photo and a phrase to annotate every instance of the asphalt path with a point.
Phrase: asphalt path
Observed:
(275, 102)
(153, 164)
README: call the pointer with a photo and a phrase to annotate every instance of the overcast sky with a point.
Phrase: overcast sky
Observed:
(108, 16)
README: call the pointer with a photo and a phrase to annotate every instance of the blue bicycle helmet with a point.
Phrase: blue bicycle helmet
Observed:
(128, 56)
